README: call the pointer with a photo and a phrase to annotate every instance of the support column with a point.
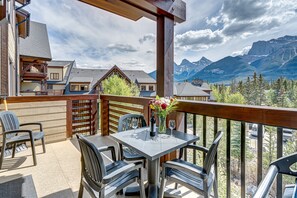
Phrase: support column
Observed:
(165, 55)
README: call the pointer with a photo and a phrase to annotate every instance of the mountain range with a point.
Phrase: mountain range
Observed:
(272, 59)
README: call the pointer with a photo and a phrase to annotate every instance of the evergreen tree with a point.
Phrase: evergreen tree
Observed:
(248, 94)
(261, 90)
(240, 87)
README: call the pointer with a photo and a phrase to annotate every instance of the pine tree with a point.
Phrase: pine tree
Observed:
(248, 91)
(261, 90)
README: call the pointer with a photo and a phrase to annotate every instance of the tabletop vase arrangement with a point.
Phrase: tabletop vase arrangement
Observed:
(163, 106)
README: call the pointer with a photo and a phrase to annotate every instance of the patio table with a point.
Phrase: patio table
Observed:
(153, 150)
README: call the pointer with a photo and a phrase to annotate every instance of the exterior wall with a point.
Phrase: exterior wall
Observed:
(30, 86)
(55, 70)
(58, 87)
(12, 61)
(8, 50)
(147, 86)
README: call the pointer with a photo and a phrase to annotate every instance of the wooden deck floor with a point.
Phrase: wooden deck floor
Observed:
(57, 173)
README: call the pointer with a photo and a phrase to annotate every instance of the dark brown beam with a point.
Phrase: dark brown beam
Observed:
(165, 44)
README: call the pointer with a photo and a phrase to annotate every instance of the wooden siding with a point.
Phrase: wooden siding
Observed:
(57, 114)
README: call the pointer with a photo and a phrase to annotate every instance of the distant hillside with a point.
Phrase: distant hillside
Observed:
(186, 69)
(273, 58)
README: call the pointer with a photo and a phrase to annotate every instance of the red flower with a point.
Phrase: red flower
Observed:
(163, 106)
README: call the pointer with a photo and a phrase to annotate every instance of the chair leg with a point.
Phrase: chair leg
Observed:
(13, 150)
(162, 187)
(141, 184)
(215, 189)
(81, 190)
(3, 151)
(33, 151)
(43, 145)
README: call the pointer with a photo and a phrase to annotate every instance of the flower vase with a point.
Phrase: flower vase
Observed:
(162, 124)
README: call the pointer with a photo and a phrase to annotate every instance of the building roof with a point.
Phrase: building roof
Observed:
(187, 89)
(58, 63)
(139, 76)
(81, 79)
(97, 74)
(205, 86)
(37, 44)
(68, 65)
(147, 94)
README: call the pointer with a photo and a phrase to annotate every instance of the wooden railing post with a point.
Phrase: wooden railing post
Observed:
(69, 119)
(104, 112)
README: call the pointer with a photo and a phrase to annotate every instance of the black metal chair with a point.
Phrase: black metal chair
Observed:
(196, 178)
(125, 123)
(280, 166)
(12, 134)
(106, 180)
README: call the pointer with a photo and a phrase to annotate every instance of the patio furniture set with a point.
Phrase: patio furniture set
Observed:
(107, 180)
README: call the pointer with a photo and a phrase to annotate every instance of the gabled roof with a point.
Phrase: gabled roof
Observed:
(81, 79)
(100, 74)
(187, 89)
(37, 44)
(95, 74)
(139, 76)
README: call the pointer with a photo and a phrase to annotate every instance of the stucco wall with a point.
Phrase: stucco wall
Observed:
(30, 86)
(55, 70)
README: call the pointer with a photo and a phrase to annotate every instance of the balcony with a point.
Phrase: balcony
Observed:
(34, 71)
(62, 116)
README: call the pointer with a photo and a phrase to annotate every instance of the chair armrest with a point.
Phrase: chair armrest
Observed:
(33, 123)
(195, 147)
(108, 148)
(199, 148)
(121, 171)
(186, 168)
(17, 131)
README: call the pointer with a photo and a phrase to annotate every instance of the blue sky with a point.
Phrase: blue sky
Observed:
(214, 29)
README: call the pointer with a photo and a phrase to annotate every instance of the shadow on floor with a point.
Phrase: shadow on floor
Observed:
(62, 194)
(13, 163)
(17, 186)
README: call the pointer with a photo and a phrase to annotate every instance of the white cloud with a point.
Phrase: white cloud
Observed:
(94, 37)
(244, 51)
(199, 40)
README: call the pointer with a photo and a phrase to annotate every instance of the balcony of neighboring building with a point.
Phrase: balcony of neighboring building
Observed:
(34, 71)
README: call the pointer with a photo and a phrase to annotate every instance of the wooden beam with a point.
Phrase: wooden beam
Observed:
(135, 10)
(165, 44)
(120, 8)
(175, 9)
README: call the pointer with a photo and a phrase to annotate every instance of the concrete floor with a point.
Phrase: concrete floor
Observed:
(57, 174)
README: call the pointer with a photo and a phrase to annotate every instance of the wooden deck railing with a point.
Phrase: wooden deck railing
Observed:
(214, 117)
(61, 116)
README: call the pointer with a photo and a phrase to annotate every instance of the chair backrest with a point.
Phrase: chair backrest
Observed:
(125, 122)
(9, 121)
(210, 157)
(93, 168)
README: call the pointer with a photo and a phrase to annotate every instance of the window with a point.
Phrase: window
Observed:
(151, 88)
(143, 88)
(79, 87)
(84, 87)
(49, 86)
(54, 76)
